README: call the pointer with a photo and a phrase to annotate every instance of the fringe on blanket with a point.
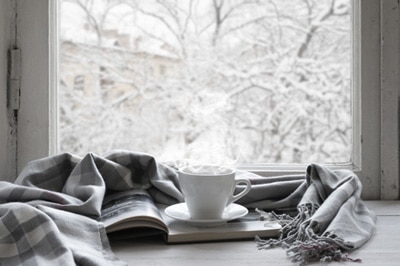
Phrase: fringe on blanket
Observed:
(302, 244)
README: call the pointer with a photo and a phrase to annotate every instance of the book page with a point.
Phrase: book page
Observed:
(131, 209)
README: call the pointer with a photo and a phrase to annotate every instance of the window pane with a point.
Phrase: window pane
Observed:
(248, 81)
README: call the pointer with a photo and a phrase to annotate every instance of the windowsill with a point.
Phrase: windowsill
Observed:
(382, 249)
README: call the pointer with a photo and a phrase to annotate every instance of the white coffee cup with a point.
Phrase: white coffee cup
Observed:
(209, 189)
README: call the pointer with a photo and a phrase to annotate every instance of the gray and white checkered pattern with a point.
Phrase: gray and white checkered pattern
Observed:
(331, 218)
(48, 216)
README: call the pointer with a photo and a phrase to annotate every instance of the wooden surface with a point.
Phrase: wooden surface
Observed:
(390, 93)
(382, 249)
(6, 145)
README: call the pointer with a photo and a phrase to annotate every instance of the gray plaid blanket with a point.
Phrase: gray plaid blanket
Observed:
(49, 215)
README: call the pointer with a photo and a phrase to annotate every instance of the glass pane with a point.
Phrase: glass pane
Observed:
(247, 81)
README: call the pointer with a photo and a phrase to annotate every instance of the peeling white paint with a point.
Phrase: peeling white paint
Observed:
(7, 121)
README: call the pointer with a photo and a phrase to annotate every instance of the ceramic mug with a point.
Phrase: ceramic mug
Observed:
(209, 189)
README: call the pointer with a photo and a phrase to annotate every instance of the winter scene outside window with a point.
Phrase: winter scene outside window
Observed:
(248, 81)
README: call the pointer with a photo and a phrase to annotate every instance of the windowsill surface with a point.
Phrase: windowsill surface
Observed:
(382, 249)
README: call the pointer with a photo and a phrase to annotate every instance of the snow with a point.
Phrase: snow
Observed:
(182, 86)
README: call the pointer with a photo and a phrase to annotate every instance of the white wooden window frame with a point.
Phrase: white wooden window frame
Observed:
(376, 97)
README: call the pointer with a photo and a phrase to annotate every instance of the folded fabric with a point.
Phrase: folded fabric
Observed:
(331, 218)
(49, 214)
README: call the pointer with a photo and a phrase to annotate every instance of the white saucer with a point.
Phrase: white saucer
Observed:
(180, 212)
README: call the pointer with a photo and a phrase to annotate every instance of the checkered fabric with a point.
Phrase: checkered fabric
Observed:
(49, 215)
(331, 218)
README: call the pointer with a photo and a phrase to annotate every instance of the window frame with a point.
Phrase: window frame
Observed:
(376, 71)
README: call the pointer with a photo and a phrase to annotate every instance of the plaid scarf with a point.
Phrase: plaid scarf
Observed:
(331, 218)
(49, 215)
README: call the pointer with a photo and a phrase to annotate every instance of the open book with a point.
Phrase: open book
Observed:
(133, 213)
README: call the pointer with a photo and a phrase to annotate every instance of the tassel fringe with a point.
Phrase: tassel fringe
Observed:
(302, 244)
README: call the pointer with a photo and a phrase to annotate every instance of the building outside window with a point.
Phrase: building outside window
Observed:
(266, 82)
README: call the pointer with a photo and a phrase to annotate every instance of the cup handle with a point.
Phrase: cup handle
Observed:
(243, 192)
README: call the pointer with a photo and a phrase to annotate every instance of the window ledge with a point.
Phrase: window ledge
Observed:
(380, 250)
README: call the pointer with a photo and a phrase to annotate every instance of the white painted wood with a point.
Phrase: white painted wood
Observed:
(390, 100)
(4, 43)
(33, 117)
(385, 207)
(7, 118)
(382, 249)
(357, 82)
(368, 78)
(53, 76)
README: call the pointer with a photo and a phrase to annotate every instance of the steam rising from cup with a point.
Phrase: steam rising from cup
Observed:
(207, 169)
(206, 136)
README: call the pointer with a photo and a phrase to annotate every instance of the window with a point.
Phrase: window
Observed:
(34, 118)
(242, 81)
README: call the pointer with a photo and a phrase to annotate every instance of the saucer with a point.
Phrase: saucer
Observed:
(180, 212)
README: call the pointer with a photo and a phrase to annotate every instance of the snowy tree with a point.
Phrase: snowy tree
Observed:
(242, 80)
